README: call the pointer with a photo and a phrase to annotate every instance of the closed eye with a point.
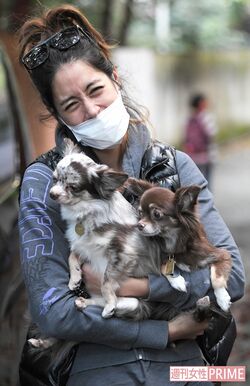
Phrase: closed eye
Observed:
(95, 90)
(71, 105)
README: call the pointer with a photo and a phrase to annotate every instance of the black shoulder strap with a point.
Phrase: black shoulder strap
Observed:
(50, 158)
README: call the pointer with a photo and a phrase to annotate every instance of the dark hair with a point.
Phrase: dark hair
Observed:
(36, 30)
(97, 53)
(196, 99)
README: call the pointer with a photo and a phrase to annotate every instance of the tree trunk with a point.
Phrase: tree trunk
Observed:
(128, 14)
(17, 12)
(107, 19)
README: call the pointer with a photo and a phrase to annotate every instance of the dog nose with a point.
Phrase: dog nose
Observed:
(140, 226)
(53, 195)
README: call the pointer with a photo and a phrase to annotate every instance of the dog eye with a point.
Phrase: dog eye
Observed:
(75, 188)
(54, 180)
(156, 214)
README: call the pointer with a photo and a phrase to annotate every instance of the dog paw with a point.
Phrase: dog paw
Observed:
(177, 282)
(35, 342)
(108, 311)
(203, 302)
(128, 304)
(80, 303)
(74, 284)
(41, 343)
(223, 298)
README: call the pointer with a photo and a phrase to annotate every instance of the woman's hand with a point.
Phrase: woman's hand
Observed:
(185, 327)
(91, 279)
(182, 327)
(130, 287)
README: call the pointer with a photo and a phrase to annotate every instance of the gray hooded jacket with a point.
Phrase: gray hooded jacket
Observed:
(45, 251)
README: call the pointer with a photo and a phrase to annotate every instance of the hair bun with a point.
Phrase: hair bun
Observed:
(66, 15)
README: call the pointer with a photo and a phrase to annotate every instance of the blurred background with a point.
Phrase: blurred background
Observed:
(165, 51)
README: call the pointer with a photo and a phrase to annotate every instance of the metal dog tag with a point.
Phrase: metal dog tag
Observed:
(79, 229)
(169, 267)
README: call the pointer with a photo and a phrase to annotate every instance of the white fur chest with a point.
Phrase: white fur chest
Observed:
(92, 215)
(90, 246)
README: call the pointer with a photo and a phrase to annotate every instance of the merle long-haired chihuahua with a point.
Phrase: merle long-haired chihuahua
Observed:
(102, 227)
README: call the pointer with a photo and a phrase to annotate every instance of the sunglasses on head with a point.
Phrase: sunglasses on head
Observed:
(61, 40)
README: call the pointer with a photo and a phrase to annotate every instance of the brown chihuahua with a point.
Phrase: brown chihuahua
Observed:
(173, 218)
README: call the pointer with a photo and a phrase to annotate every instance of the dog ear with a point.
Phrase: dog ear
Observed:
(108, 181)
(186, 197)
(70, 147)
(136, 187)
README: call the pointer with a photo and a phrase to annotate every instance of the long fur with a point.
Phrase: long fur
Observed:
(110, 240)
(103, 228)
(173, 218)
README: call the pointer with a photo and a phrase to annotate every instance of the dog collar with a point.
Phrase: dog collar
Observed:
(168, 269)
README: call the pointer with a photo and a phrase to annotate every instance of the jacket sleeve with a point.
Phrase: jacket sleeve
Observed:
(198, 282)
(44, 254)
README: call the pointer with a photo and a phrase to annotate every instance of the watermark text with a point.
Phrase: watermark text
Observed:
(208, 373)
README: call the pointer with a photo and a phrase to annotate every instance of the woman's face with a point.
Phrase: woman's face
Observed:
(81, 92)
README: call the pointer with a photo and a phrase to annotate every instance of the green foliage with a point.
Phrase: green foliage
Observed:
(205, 24)
(189, 24)
(91, 8)
(231, 131)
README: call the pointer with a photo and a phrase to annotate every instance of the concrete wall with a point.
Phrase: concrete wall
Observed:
(163, 83)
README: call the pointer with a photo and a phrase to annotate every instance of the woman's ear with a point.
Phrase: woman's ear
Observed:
(115, 74)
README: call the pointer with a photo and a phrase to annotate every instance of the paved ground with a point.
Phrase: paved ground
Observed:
(232, 196)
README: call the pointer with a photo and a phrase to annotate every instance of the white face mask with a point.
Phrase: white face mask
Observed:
(106, 130)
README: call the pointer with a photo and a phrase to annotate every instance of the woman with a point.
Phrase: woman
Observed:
(69, 63)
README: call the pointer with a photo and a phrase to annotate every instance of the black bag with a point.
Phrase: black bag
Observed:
(217, 342)
(39, 371)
